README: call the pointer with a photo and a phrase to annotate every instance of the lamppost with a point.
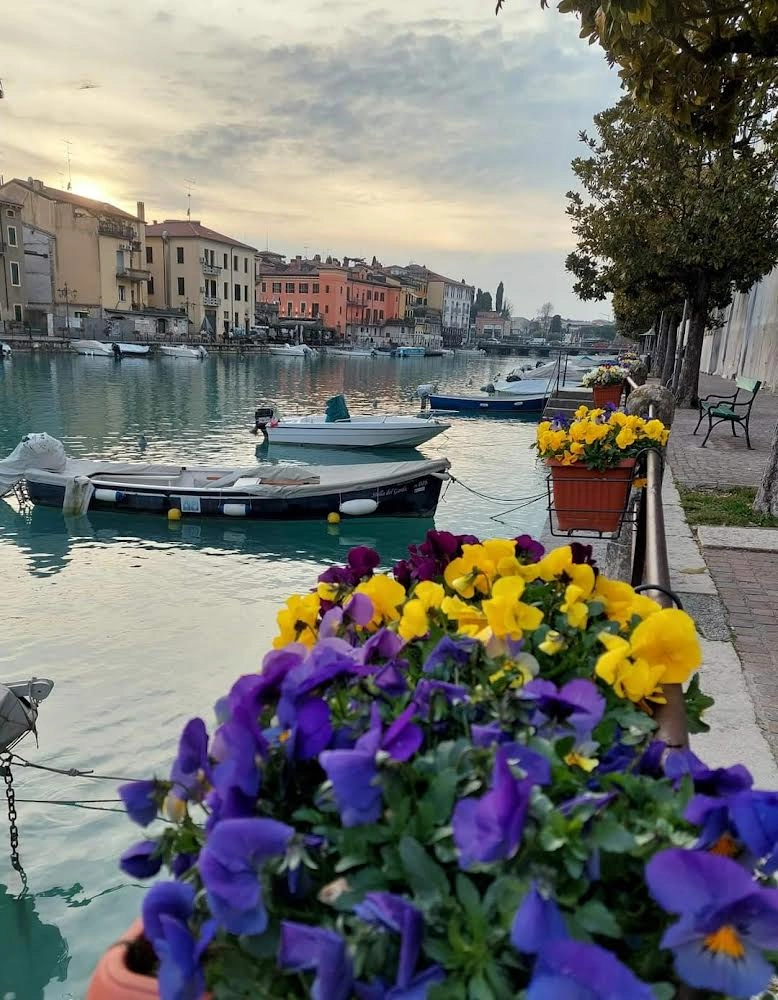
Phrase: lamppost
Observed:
(67, 293)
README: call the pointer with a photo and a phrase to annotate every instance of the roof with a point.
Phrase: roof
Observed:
(8, 200)
(90, 204)
(420, 271)
(432, 276)
(181, 229)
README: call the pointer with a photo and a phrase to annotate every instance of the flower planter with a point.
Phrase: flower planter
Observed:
(590, 499)
(604, 394)
(113, 979)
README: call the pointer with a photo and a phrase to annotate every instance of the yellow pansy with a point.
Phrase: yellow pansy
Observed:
(595, 432)
(576, 448)
(415, 618)
(617, 419)
(327, 591)
(626, 437)
(635, 680)
(578, 760)
(544, 427)
(468, 617)
(386, 595)
(668, 639)
(574, 605)
(656, 431)
(506, 614)
(621, 602)
(581, 412)
(298, 620)
(553, 643)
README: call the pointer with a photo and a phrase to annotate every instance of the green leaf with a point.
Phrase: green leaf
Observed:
(596, 918)
(479, 989)
(425, 876)
(610, 835)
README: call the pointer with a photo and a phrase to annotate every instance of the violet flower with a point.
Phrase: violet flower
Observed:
(190, 769)
(360, 563)
(167, 908)
(303, 948)
(574, 970)
(577, 704)
(754, 816)
(238, 755)
(726, 921)
(528, 549)
(140, 801)
(396, 914)
(426, 690)
(417, 988)
(537, 921)
(141, 860)
(450, 651)
(490, 828)
(230, 863)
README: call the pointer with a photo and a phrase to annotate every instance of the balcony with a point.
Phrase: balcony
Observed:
(119, 230)
(211, 301)
(209, 268)
(135, 274)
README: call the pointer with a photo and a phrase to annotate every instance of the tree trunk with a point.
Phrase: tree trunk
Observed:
(670, 345)
(766, 501)
(688, 384)
(658, 357)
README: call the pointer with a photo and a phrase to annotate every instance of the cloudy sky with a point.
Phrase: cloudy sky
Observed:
(412, 129)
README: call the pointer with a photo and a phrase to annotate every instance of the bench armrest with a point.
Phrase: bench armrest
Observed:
(715, 395)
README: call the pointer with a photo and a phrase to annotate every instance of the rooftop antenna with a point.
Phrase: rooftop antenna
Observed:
(68, 144)
(189, 185)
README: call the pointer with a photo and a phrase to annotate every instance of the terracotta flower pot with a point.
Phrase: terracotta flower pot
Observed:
(590, 499)
(607, 394)
(113, 979)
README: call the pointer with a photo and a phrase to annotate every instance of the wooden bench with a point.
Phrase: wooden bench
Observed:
(729, 409)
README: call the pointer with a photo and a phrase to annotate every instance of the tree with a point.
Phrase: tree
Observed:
(669, 218)
(701, 63)
(556, 324)
(498, 298)
(482, 302)
(544, 315)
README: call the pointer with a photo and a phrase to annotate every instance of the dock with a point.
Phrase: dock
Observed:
(566, 402)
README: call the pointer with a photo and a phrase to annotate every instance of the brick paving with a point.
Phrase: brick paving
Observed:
(725, 460)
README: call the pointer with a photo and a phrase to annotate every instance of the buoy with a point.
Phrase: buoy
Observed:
(333, 517)
(174, 514)
(358, 508)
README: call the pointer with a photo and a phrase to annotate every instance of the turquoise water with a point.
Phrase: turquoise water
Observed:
(142, 624)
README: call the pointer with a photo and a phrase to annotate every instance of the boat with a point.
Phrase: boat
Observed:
(409, 352)
(133, 350)
(107, 349)
(473, 351)
(488, 404)
(182, 351)
(354, 352)
(272, 492)
(337, 428)
(19, 702)
(291, 350)
(5, 350)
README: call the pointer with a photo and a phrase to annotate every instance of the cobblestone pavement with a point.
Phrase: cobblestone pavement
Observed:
(748, 585)
(725, 460)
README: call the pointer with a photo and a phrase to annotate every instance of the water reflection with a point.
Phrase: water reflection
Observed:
(34, 954)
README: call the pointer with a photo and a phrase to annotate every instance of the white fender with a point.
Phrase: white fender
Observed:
(235, 509)
(358, 508)
(108, 496)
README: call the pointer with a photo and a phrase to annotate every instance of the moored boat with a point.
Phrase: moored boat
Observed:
(274, 492)
(409, 352)
(5, 350)
(291, 350)
(488, 404)
(357, 431)
(353, 352)
(182, 351)
(92, 347)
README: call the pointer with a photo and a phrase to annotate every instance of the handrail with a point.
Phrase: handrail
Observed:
(651, 571)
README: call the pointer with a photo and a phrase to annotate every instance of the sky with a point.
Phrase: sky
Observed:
(412, 130)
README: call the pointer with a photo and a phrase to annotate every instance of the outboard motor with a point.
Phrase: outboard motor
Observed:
(117, 352)
(262, 417)
(489, 387)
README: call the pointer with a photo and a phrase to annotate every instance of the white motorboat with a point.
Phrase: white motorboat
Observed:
(134, 350)
(291, 350)
(475, 352)
(5, 350)
(264, 492)
(182, 351)
(354, 352)
(105, 349)
(368, 431)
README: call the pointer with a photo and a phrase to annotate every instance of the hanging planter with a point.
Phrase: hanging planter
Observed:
(604, 394)
(590, 499)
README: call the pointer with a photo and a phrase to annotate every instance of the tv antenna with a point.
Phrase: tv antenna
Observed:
(68, 144)
(189, 186)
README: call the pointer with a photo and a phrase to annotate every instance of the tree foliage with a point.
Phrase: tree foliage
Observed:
(663, 219)
(482, 302)
(499, 297)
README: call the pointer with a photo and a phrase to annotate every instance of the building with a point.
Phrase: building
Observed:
(492, 326)
(205, 274)
(13, 296)
(451, 299)
(98, 249)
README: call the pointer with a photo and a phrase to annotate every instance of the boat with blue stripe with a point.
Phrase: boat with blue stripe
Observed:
(488, 404)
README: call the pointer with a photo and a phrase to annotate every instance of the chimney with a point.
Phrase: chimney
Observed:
(37, 185)
(141, 211)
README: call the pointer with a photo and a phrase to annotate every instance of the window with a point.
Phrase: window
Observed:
(237, 321)
(180, 255)
(303, 287)
(226, 317)
(12, 236)
(149, 255)
(326, 309)
(382, 296)
(180, 286)
(314, 310)
(17, 312)
(10, 213)
(227, 264)
(226, 290)
(290, 287)
(15, 275)
(236, 296)
(316, 288)
(340, 310)
(288, 308)
(245, 265)
(375, 315)
(235, 267)
(276, 286)
(122, 293)
(381, 314)
(326, 288)
(264, 289)
(245, 293)
(151, 285)
(370, 295)
(302, 308)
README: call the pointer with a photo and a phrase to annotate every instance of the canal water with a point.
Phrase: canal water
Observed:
(142, 624)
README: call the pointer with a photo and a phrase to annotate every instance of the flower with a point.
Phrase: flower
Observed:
(190, 769)
(537, 922)
(140, 799)
(754, 816)
(506, 614)
(449, 650)
(297, 621)
(577, 704)
(167, 910)
(142, 860)
(415, 615)
(668, 639)
(528, 550)
(726, 921)
(303, 948)
(386, 596)
(470, 620)
(230, 862)
(636, 680)
(396, 914)
(574, 970)
(360, 563)
(490, 828)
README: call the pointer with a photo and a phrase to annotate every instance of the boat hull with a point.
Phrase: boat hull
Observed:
(488, 404)
(414, 496)
(92, 348)
(353, 436)
(179, 351)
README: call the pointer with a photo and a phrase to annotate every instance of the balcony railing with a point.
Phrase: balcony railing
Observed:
(211, 300)
(132, 273)
(120, 230)
(209, 268)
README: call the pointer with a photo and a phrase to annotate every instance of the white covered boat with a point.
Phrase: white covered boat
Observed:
(5, 350)
(274, 492)
(182, 351)
(101, 348)
(353, 352)
(291, 350)
(134, 350)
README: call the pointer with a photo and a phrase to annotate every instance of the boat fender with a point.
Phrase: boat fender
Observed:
(235, 509)
(109, 496)
(443, 476)
(358, 508)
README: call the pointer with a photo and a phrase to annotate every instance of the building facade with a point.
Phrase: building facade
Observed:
(98, 249)
(448, 298)
(492, 326)
(204, 274)
(13, 293)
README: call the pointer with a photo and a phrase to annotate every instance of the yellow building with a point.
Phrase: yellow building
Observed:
(208, 275)
(99, 251)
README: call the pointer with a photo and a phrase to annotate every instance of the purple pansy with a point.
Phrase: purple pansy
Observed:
(428, 560)
(167, 908)
(354, 772)
(140, 801)
(303, 948)
(726, 921)
(417, 988)
(583, 554)
(382, 646)
(238, 756)
(754, 816)
(190, 769)
(577, 704)
(396, 914)
(230, 863)
(528, 550)
(537, 921)
(141, 860)
(450, 651)
(360, 563)
(575, 970)
(490, 828)
(718, 782)
(426, 690)
(359, 608)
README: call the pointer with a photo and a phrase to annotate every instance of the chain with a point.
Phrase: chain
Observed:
(16, 863)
